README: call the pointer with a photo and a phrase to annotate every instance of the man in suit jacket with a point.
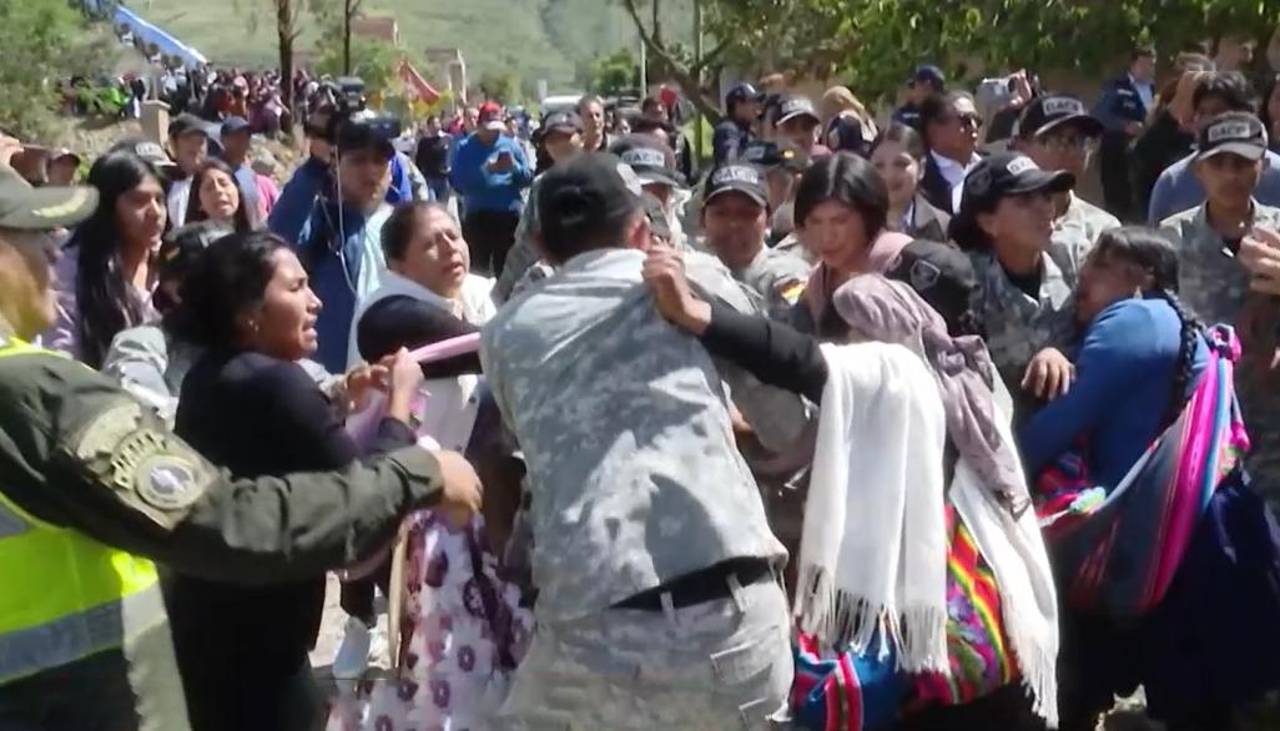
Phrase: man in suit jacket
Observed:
(951, 124)
(1122, 109)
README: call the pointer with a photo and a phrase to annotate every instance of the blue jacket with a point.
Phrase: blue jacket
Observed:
(308, 218)
(482, 190)
(1125, 371)
(1178, 189)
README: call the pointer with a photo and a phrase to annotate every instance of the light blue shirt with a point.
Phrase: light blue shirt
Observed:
(1178, 189)
(1146, 92)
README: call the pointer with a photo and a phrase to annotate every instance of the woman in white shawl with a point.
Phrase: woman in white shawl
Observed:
(914, 464)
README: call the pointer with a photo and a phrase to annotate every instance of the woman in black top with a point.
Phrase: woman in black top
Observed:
(249, 406)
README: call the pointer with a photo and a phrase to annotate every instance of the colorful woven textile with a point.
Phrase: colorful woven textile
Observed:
(1116, 549)
(863, 692)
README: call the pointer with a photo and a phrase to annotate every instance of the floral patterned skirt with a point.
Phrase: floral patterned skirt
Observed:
(462, 634)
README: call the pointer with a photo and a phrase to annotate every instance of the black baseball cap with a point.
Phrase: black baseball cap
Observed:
(1237, 133)
(354, 134)
(770, 154)
(26, 208)
(791, 106)
(651, 159)
(147, 150)
(186, 123)
(1009, 173)
(741, 93)
(929, 74)
(567, 122)
(740, 177)
(577, 197)
(941, 274)
(1045, 113)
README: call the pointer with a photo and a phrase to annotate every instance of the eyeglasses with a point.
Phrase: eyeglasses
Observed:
(1068, 143)
(966, 120)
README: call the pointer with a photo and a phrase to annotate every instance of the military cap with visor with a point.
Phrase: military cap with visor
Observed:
(1050, 111)
(1236, 133)
(25, 208)
(736, 177)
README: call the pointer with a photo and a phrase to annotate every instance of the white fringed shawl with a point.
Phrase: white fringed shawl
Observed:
(874, 549)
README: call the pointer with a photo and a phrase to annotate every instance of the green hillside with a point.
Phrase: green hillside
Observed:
(548, 39)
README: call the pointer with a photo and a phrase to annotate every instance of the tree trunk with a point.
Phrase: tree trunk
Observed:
(348, 10)
(285, 33)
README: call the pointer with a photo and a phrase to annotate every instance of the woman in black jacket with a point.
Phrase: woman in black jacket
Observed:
(248, 405)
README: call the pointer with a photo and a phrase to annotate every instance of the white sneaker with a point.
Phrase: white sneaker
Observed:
(379, 644)
(353, 654)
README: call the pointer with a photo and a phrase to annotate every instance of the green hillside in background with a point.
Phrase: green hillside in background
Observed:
(551, 39)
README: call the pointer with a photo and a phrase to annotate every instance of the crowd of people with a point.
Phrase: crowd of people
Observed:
(873, 423)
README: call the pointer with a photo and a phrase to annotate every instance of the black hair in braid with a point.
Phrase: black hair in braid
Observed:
(1152, 252)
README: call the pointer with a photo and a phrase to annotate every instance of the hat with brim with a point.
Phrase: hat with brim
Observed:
(736, 178)
(147, 150)
(1058, 181)
(795, 107)
(358, 135)
(26, 208)
(1087, 124)
(652, 161)
(1249, 151)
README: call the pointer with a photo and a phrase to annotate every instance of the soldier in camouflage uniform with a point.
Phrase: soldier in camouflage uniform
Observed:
(561, 137)
(1057, 133)
(658, 602)
(1024, 299)
(735, 217)
(1215, 284)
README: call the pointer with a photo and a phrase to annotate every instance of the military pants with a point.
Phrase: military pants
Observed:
(724, 664)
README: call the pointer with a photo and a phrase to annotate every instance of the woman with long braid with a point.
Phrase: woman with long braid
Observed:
(1114, 456)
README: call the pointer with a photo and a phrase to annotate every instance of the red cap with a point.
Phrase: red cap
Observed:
(490, 116)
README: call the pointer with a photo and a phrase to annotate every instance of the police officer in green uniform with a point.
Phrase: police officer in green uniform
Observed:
(93, 489)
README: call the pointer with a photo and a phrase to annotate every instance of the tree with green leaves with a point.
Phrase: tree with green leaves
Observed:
(873, 44)
(615, 74)
(45, 42)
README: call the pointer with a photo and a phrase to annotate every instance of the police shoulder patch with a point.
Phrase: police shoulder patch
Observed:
(142, 464)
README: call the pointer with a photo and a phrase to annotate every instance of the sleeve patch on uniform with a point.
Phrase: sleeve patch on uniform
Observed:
(144, 465)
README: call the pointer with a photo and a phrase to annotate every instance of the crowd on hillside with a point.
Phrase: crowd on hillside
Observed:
(865, 422)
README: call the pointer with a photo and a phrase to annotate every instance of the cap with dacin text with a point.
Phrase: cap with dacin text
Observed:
(1236, 133)
(653, 161)
(149, 151)
(25, 208)
(1009, 173)
(736, 177)
(567, 122)
(794, 106)
(1051, 111)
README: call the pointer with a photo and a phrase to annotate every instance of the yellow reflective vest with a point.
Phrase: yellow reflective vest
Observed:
(63, 595)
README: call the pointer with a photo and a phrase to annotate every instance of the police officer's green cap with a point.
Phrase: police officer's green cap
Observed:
(1237, 133)
(736, 177)
(38, 209)
(1050, 111)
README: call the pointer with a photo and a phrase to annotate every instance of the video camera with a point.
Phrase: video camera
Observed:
(344, 101)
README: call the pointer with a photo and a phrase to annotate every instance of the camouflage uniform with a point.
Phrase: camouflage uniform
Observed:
(1075, 232)
(778, 277)
(523, 255)
(1215, 287)
(1018, 326)
(636, 481)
